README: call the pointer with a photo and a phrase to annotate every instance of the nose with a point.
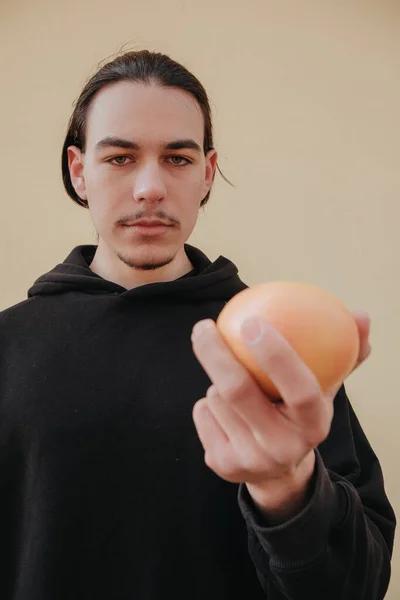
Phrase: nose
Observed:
(148, 184)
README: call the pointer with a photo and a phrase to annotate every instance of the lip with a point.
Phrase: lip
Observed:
(149, 223)
(149, 227)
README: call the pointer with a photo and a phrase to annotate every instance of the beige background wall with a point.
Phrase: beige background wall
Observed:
(306, 99)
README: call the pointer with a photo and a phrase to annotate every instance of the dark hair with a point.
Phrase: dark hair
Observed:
(136, 66)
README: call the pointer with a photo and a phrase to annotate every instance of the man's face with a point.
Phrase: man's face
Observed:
(144, 159)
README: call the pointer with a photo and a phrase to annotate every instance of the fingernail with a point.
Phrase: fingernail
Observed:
(252, 330)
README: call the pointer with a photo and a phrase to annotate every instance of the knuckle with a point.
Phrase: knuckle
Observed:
(222, 466)
(237, 389)
(225, 466)
(319, 432)
(211, 394)
(313, 440)
(326, 426)
(198, 409)
(208, 459)
(310, 397)
(252, 463)
(213, 400)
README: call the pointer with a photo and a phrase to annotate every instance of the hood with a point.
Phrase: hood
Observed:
(216, 280)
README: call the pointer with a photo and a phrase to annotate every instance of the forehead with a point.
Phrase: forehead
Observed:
(144, 113)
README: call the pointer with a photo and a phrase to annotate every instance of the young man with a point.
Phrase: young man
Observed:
(137, 458)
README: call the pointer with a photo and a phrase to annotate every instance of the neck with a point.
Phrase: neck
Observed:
(109, 266)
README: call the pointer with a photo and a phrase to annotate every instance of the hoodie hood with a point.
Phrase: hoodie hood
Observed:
(216, 280)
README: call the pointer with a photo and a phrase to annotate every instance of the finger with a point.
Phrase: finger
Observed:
(218, 452)
(207, 427)
(234, 427)
(233, 382)
(237, 388)
(363, 322)
(296, 383)
(253, 447)
(229, 376)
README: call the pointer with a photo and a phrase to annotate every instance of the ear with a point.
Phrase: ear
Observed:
(76, 165)
(211, 165)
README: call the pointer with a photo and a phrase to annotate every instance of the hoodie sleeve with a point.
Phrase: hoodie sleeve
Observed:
(340, 545)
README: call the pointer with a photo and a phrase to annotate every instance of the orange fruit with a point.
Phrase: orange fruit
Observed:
(316, 324)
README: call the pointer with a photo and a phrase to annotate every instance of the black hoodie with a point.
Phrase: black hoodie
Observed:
(104, 493)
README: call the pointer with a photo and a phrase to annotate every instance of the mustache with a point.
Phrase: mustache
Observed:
(159, 214)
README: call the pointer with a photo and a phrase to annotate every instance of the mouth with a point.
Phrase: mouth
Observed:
(149, 227)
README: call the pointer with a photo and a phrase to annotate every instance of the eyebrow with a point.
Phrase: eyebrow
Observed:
(116, 142)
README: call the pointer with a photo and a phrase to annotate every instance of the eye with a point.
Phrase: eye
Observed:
(179, 161)
(119, 161)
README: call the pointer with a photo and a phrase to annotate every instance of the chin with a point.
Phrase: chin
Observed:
(146, 258)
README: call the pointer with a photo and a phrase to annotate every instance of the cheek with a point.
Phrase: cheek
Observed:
(104, 189)
(97, 178)
(189, 194)
(194, 184)
(189, 207)
(99, 197)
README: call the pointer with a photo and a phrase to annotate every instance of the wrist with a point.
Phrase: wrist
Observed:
(283, 498)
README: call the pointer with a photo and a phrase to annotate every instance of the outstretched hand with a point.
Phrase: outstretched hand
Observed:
(247, 438)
